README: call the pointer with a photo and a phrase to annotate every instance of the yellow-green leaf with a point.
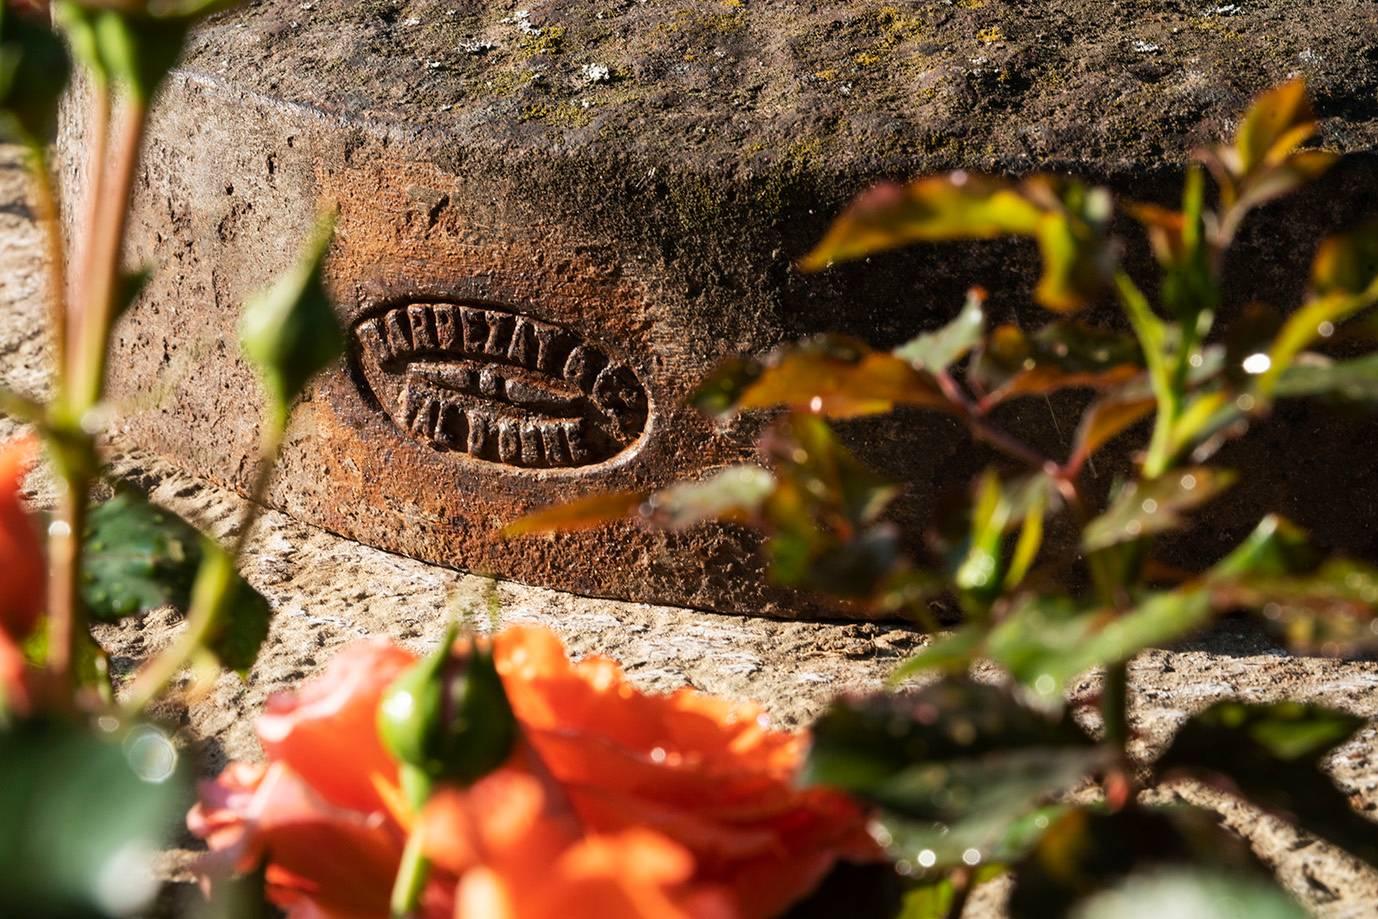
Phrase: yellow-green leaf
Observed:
(958, 205)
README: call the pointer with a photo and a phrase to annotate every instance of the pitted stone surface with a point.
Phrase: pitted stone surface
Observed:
(326, 591)
(642, 176)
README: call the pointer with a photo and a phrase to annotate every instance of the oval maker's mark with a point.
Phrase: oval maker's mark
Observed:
(498, 386)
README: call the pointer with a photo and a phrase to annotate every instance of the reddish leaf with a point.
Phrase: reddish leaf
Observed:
(1061, 355)
(583, 514)
(1105, 420)
(839, 378)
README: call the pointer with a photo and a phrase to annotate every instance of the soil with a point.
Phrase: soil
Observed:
(327, 591)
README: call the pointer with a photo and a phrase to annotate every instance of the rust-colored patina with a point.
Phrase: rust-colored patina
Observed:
(552, 223)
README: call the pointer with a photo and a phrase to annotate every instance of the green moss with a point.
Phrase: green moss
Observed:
(548, 40)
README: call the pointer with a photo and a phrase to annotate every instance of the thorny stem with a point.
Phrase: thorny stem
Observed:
(411, 877)
(64, 579)
(104, 226)
(101, 305)
(98, 139)
(971, 416)
(49, 217)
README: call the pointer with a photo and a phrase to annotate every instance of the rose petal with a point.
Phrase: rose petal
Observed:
(327, 730)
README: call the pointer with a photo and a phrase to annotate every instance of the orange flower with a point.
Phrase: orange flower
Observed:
(616, 805)
(703, 771)
(519, 852)
(22, 572)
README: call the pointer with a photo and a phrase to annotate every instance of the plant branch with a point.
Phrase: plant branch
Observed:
(971, 416)
(50, 218)
(101, 307)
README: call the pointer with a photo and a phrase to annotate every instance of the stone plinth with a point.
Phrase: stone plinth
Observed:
(553, 222)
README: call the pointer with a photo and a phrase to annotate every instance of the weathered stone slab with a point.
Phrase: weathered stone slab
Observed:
(554, 221)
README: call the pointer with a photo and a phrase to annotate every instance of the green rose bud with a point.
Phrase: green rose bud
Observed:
(448, 718)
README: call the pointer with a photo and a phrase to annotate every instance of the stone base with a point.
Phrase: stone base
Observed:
(553, 224)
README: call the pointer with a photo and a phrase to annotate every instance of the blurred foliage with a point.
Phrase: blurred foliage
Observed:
(968, 779)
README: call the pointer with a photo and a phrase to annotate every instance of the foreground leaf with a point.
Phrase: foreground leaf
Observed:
(959, 769)
(1077, 257)
(735, 493)
(936, 351)
(34, 69)
(1047, 642)
(1105, 420)
(958, 205)
(1351, 381)
(290, 331)
(580, 514)
(1061, 355)
(1146, 507)
(240, 616)
(1318, 604)
(137, 557)
(84, 818)
(1271, 755)
(1087, 851)
(1193, 893)
(826, 375)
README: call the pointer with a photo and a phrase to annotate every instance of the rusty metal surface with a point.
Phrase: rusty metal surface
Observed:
(530, 302)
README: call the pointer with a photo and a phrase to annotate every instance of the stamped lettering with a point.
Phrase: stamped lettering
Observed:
(496, 386)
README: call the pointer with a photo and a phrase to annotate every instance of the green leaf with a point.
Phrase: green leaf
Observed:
(1039, 642)
(1047, 642)
(137, 557)
(1346, 263)
(85, 815)
(982, 566)
(34, 70)
(806, 454)
(138, 51)
(1315, 376)
(1271, 754)
(1192, 893)
(241, 615)
(290, 330)
(734, 493)
(1086, 851)
(936, 351)
(1077, 258)
(950, 653)
(959, 769)
(958, 205)
(1316, 603)
(931, 900)
(1153, 506)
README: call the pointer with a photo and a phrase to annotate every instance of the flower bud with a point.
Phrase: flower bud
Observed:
(448, 716)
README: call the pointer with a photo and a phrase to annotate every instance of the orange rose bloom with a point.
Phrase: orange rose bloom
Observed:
(701, 770)
(22, 572)
(615, 805)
